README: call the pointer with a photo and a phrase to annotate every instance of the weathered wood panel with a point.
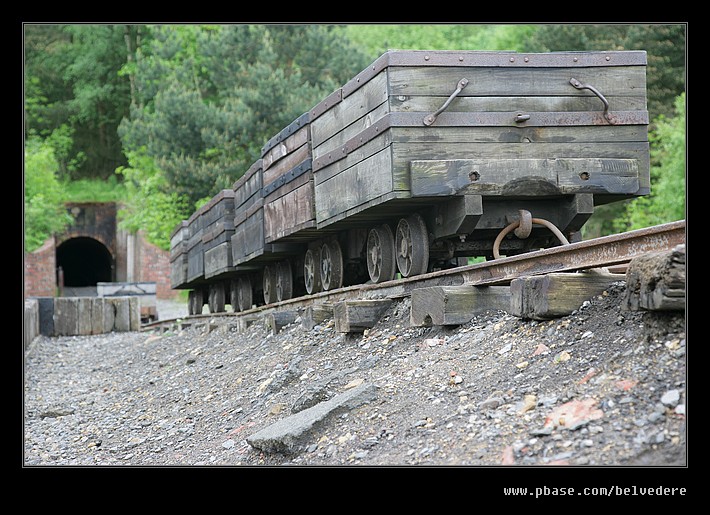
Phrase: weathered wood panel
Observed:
(279, 319)
(195, 258)
(288, 186)
(217, 233)
(102, 316)
(498, 81)
(555, 295)
(289, 214)
(248, 239)
(218, 259)
(334, 145)
(316, 314)
(357, 106)
(403, 154)
(355, 186)
(285, 164)
(178, 272)
(248, 187)
(94, 315)
(493, 176)
(287, 146)
(287, 178)
(340, 163)
(534, 135)
(178, 240)
(221, 206)
(523, 104)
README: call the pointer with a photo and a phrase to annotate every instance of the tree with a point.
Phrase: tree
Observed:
(209, 97)
(43, 207)
(666, 203)
(149, 209)
(72, 78)
(377, 39)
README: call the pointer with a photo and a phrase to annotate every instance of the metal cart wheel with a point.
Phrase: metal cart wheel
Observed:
(311, 272)
(381, 254)
(244, 294)
(284, 281)
(269, 284)
(331, 265)
(412, 246)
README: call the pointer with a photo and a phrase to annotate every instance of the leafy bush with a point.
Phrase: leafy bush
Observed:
(95, 190)
(44, 210)
(148, 207)
(666, 203)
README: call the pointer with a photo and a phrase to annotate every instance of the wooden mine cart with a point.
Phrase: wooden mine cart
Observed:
(218, 221)
(218, 228)
(422, 160)
(195, 250)
(289, 214)
(178, 256)
(449, 148)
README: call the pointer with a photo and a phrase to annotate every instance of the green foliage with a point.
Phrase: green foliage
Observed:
(212, 96)
(664, 45)
(377, 39)
(72, 79)
(94, 190)
(667, 200)
(148, 207)
(43, 208)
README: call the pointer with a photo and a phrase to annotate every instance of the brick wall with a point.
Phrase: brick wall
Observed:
(41, 280)
(155, 266)
(40, 275)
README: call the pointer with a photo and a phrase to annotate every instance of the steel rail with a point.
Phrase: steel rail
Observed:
(595, 253)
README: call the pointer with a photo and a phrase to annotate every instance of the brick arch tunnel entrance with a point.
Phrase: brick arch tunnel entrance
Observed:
(84, 262)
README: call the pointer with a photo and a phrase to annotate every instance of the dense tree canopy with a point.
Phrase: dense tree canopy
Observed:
(72, 79)
(208, 98)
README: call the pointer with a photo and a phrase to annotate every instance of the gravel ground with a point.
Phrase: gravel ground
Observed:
(602, 387)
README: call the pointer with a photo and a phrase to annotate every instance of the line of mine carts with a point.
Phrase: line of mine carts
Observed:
(420, 162)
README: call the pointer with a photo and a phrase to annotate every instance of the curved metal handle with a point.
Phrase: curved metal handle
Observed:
(431, 118)
(579, 85)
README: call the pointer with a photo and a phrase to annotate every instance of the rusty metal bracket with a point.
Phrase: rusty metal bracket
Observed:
(523, 227)
(431, 118)
(578, 85)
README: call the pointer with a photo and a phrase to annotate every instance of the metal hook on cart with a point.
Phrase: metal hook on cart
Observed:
(578, 85)
(523, 227)
(431, 118)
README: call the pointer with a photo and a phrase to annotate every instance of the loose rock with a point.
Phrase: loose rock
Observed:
(589, 389)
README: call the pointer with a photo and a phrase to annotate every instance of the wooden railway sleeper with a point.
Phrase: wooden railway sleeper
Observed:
(523, 228)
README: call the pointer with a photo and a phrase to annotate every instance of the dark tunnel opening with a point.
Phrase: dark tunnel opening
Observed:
(84, 262)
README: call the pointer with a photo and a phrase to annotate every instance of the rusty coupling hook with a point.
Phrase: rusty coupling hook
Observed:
(523, 227)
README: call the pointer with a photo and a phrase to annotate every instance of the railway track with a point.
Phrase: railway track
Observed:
(600, 252)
